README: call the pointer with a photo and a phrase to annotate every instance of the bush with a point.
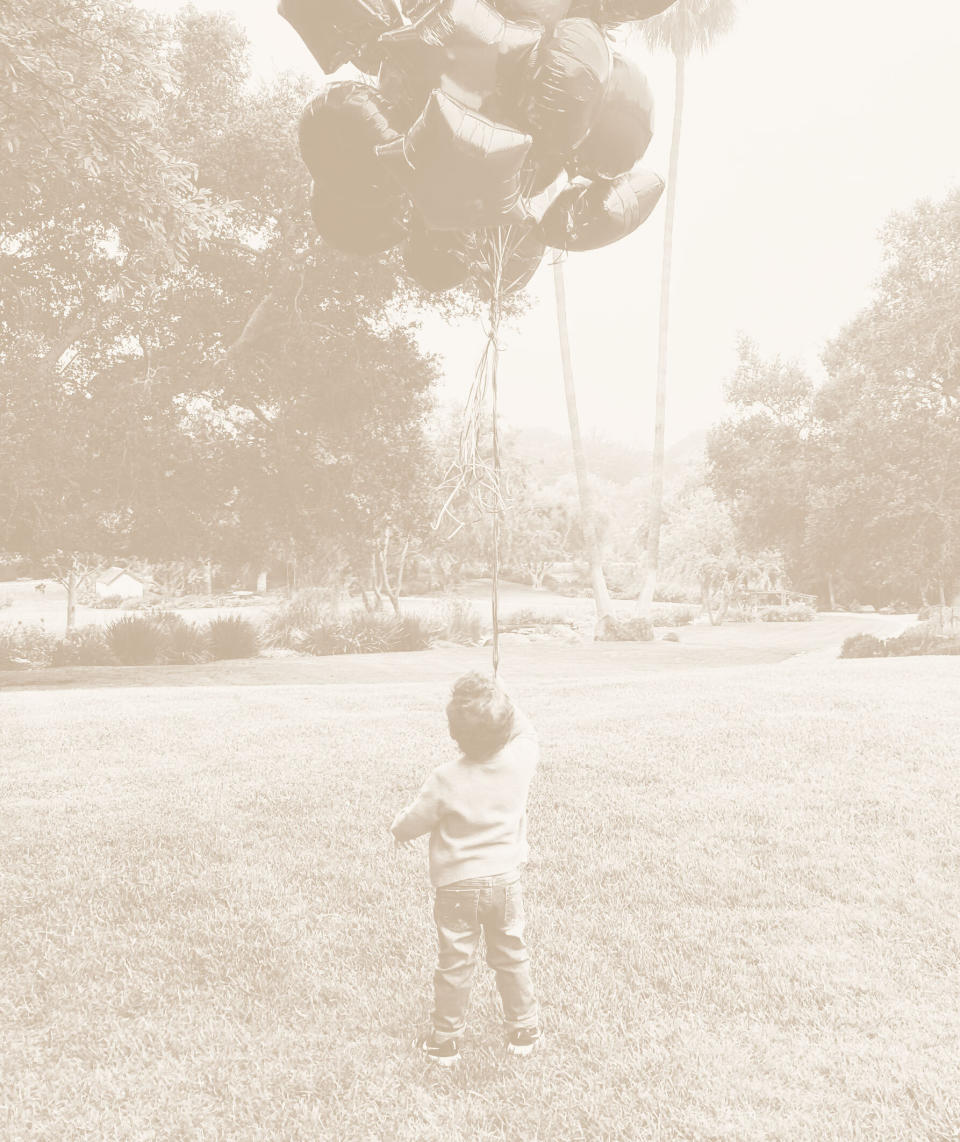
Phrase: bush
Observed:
(85, 646)
(368, 632)
(25, 646)
(679, 615)
(184, 643)
(862, 646)
(136, 641)
(792, 613)
(232, 637)
(458, 621)
(527, 618)
(285, 627)
(108, 602)
(675, 593)
(636, 629)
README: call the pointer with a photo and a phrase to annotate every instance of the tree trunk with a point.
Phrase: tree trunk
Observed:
(666, 267)
(71, 599)
(830, 593)
(601, 596)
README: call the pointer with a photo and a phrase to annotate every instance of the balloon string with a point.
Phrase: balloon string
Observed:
(495, 304)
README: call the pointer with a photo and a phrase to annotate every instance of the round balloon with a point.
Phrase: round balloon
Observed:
(461, 170)
(588, 215)
(357, 228)
(437, 260)
(564, 87)
(464, 47)
(623, 127)
(340, 130)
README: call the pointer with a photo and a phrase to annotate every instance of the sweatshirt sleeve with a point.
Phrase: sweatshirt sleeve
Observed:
(423, 814)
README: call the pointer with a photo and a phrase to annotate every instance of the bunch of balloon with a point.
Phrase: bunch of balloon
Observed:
(480, 133)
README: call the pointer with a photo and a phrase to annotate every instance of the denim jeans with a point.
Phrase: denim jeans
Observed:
(493, 905)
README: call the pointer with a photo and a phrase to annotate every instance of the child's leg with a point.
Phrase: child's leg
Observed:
(507, 955)
(458, 933)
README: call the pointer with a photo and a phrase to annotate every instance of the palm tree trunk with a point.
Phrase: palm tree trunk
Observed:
(656, 489)
(601, 596)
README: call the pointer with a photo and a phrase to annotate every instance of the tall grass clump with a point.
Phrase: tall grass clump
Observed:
(287, 626)
(458, 621)
(84, 646)
(136, 641)
(368, 632)
(22, 645)
(232, 637)
(185, 643)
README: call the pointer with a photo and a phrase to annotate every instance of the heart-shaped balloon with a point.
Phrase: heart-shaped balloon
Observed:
(588, 215)
(461, 169)
(623, 126)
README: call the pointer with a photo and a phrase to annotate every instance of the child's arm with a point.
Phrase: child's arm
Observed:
(422, 815)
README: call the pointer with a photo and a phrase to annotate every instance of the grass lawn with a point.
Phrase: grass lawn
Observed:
(742, 906)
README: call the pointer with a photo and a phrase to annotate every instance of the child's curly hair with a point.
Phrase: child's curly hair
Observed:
(480, 716)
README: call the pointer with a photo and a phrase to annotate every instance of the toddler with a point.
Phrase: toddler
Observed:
(474, 809)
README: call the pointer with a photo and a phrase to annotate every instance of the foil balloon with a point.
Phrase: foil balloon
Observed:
(619, 11)
(336, 30)
(437, 260)
(588, 215)
(623, 127)
(546, 13)
(354, 227)
(461, 170)
(523, 263)
(565, 85)
(340, 129)
(464, 47)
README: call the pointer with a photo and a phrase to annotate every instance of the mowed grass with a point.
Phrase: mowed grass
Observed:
(742, 906)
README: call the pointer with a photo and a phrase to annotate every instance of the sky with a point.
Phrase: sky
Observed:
(804, 129)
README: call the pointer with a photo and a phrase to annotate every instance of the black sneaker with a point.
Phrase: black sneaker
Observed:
(523, 1041)
(446, 1053)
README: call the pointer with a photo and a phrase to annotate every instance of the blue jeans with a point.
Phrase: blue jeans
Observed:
(493, 905)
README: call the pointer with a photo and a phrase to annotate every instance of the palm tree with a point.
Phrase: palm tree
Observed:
(688, 26)
(591, 540)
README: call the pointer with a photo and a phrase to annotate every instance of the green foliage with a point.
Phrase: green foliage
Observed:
(184, 642)
(862, 646)
(232, 637)
(635, 629)
(792, 613)
(679, 615)
(286, 626)
(109, 602)
(368, 632)
(136, 640)
(460, 622)
(84, 646)
(22, 645)
(539, 620)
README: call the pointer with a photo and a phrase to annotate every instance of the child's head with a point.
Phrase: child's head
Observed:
(480, 716)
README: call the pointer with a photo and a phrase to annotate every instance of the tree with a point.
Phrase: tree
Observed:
(687, 26)
(601, 596)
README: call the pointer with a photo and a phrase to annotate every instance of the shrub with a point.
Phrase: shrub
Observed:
(792, 613)
(459, 621)
(678, 615)
(25, 646)
(636, 629)
(675, 593)
(85, 646)
(368, 632)
(862, 646)
(285, 626)
(527, 618)
(232, 637)
(108, 602)
(184, 642)
(136, 641)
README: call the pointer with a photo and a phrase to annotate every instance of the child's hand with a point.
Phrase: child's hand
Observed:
(398, 845)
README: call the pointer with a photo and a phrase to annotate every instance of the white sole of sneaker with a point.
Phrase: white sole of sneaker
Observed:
(526, 1049)
(440, 1060)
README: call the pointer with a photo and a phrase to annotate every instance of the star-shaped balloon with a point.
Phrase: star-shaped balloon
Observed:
(461, 169)
(335, 30)
(623, 126)
(463, 47)
(588, 215)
